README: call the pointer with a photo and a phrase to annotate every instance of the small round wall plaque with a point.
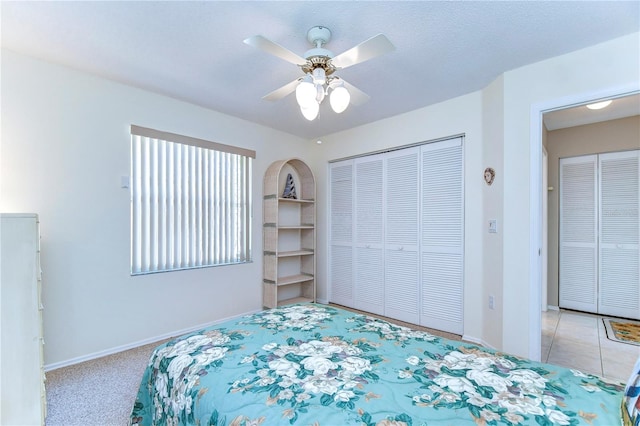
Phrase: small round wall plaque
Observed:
(489, 175)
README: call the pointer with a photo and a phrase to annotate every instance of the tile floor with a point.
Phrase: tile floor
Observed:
(579, 340)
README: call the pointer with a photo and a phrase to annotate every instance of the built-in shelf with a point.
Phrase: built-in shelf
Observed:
(302, 252)
(294, 300)
(295, 200)
(294, 279)
(289, 235)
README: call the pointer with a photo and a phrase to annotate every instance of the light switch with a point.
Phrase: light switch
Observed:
(124, 181)
(493, 226)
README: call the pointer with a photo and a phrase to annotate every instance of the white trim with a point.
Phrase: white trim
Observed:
(535, 195)
(477, 341)
(535, 235)
(553, 308)
(139, 343)
(544, 266)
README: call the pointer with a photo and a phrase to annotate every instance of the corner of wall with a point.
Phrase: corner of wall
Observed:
(492, 210)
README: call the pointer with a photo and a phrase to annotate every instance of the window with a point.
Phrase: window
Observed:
(190, 202)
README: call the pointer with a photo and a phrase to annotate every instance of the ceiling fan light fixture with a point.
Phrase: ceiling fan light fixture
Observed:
(319, 65)
(339, 99)
(599, 105)
(320, 93)
(319, 76)
(311, 112)
(306, 92)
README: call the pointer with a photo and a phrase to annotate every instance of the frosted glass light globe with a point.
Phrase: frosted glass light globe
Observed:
(311, 112)
(306, 94)
(339, 99)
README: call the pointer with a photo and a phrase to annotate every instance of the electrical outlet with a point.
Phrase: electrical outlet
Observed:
(492, 302)
(493, 226)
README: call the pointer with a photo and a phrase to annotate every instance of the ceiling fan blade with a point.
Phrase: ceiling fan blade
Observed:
(358, 97)
(283, 91)
(368, 49)
(275, 49)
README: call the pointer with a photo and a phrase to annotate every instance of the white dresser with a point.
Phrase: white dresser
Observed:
(22, 392)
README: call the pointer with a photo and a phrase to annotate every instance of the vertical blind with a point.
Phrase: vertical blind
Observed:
(190, 202)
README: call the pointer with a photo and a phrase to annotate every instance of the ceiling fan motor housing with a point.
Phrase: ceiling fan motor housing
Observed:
(318, 57)
(320, 35)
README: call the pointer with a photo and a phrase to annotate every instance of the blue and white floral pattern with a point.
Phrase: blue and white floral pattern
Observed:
(177, 367)
(295, 318)
(322, 371)
(387, 331)
(317, 365)
(495, 387)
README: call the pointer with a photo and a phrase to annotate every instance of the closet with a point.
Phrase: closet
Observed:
(599, 233)
(396, 234)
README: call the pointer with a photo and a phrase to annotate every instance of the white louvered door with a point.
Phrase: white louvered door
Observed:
(442, 205)
(578, 259)
(619, 258)
(369, 234)
(396, 243)
(341, 233)
(402, 188)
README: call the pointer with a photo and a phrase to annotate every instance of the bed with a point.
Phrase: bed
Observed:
(312, 364)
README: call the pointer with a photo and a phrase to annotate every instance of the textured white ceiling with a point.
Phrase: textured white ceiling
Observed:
(193, 51)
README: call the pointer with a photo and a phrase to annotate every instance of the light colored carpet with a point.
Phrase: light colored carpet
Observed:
(101, 392)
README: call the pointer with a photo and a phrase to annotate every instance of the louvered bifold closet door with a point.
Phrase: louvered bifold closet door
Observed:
(402, 188)
(578, 259)
(619, 273)
(341, 234)
(442, 218)
(369, 234)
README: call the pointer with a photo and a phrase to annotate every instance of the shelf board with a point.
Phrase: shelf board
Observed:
(296, 227)
(295, 300)
(295, 253)
(296, 200)
(294, 279)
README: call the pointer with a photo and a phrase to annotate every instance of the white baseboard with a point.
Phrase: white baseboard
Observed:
(111, 351)
(474, 340)
(553, 308)
(477, 341)
(322, 301)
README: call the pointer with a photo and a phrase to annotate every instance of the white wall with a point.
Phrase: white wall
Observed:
(492, 205)
(65, 145)
(461, 115)
(603, 68)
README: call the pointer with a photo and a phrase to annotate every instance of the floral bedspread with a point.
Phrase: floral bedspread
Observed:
(312, 364)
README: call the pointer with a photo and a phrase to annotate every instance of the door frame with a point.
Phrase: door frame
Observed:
(535, 195)
(545, 229)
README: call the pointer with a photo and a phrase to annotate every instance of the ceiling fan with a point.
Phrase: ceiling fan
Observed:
(319, 66)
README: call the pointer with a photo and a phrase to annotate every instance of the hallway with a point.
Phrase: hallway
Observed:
(578, 340)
